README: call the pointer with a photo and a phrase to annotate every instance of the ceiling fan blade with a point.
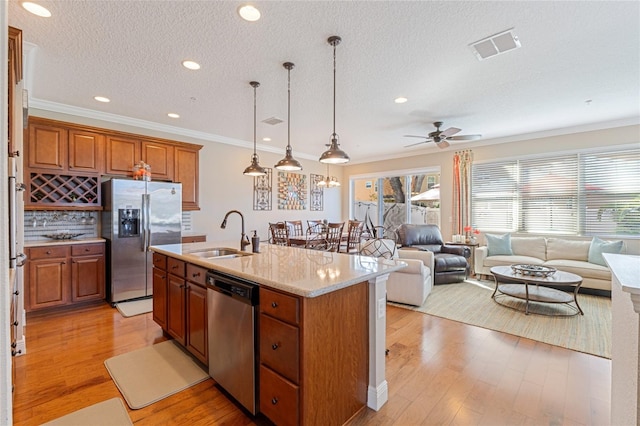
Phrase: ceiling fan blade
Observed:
(416, 136)
(465, 137)
(442, 144)
(449, 132)
(417, 143)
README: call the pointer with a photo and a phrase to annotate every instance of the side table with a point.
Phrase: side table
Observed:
(472, 247)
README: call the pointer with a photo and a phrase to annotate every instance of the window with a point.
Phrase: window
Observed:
(576, 194)
(400, 198)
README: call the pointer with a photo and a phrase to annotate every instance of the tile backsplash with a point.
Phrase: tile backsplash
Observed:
(37, 224)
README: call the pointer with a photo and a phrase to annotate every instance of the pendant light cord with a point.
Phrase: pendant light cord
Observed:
(254, 120)
(289, 108)
(334, 88)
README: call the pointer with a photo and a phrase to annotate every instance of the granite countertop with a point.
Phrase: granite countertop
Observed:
(307, 273)
(52, 242)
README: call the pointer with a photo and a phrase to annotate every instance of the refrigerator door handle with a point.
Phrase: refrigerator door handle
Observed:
(143, 223)
(146, 221)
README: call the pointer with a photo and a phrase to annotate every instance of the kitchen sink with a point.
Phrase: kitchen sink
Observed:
(218, 252)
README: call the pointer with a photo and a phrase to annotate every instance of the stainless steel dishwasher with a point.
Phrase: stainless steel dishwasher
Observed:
(231, 303)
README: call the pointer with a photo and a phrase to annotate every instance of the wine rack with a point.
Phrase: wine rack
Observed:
(66, 189)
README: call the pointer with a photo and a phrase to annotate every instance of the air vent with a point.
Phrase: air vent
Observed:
(495, 45)
(272, 120)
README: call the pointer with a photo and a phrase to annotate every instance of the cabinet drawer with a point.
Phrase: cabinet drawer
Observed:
(280, 306)
(175, 266)
(194, 239)
(279, 347)
(279, 399)
(160, 261)
(86, 249)
(196, 274)
(36, 253)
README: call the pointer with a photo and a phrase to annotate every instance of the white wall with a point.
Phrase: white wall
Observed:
(223, 187)
(482, 151)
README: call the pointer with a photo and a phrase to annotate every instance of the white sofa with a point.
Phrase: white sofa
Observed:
(410, 285)
(562, 254)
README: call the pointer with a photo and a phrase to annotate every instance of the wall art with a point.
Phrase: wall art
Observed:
(262, 191)
(317, 193)
(292, 191)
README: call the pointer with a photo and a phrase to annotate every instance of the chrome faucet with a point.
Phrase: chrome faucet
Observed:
(244, 240)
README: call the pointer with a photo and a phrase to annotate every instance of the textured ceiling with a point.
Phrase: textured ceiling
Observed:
(131, 52)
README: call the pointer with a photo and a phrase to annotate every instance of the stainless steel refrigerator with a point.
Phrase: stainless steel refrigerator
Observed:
(137, 214)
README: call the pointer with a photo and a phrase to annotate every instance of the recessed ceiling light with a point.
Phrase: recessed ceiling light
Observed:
(191, 65)
(101, 99)
(173, 115)
(249, 13)
(400, 100)
(36, 9)
(266, 139)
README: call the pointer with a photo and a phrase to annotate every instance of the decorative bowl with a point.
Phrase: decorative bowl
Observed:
(62, 236)
(533, 270)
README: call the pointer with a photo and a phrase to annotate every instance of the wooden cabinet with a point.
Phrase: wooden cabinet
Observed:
(160, 157)
(47, 147)
(86, 151)
(121, 155)
(313, 356)
(64, 274)
(186, 172)
(180, 303)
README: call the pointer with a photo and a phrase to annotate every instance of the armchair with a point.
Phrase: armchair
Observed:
(410, 285)
(450, 264)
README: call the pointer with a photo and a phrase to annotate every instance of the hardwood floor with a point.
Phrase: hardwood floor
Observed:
(440, 372)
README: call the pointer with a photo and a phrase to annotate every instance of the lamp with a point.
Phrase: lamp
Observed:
(329, 181)
(254, 169)
(334, 155)
(288, 162)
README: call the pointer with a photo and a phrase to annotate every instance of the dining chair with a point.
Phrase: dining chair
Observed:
(279, 233)
(354, 235)
(295, 227)
(334, 236)
(315, 224)
(316, 237)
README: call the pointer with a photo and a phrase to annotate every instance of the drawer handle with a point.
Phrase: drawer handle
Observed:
(15, 323)
(17, 292)
(275, 346)
(174, 267)
(274, 304)
(87, 249)
(48, 251)
(195, 274)
(274, 400)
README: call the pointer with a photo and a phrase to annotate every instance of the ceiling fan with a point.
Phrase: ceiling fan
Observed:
(441, 138)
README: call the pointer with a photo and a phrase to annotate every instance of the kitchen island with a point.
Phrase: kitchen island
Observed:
(332, 310)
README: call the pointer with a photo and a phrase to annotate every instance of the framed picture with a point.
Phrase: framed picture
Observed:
(317, 193)
(262, 191)
(292, 191)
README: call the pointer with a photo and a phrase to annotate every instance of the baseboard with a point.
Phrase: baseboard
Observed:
(378, 396)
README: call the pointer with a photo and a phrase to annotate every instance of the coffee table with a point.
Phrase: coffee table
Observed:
(531, 288)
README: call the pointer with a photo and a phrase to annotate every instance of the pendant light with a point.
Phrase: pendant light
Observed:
(334, 155)
(254, 169)
(288, 163)
(329, 181)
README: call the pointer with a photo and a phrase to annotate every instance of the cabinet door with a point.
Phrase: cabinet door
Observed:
(48, 283)
(176, 308)
(87, 278)
(160, 297)
(160, 158)
(186, 172)
(121, 156)
(47, 147)
(85, 151)
(197, 342)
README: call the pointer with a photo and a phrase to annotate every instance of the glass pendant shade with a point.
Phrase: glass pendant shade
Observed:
(254, 169)
(288, 163)
(329, 181)
(334, 155)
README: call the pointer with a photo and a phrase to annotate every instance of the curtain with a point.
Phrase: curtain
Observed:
(462, 161)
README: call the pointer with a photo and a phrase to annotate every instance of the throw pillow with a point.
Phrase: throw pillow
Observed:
(599, 246)
(498, 244)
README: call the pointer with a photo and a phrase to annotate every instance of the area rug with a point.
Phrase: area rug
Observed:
(150, 374)
(135, 307)
(470, 302)
(111, 412)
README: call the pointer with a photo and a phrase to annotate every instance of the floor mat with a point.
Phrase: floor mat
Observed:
(135, 307)
(111, 412)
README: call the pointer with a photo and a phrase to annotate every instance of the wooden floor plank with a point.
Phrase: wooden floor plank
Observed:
(439, 372)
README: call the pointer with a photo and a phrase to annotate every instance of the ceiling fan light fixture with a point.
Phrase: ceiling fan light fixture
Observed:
(288, 163)
(334, 155)
(254, 169)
